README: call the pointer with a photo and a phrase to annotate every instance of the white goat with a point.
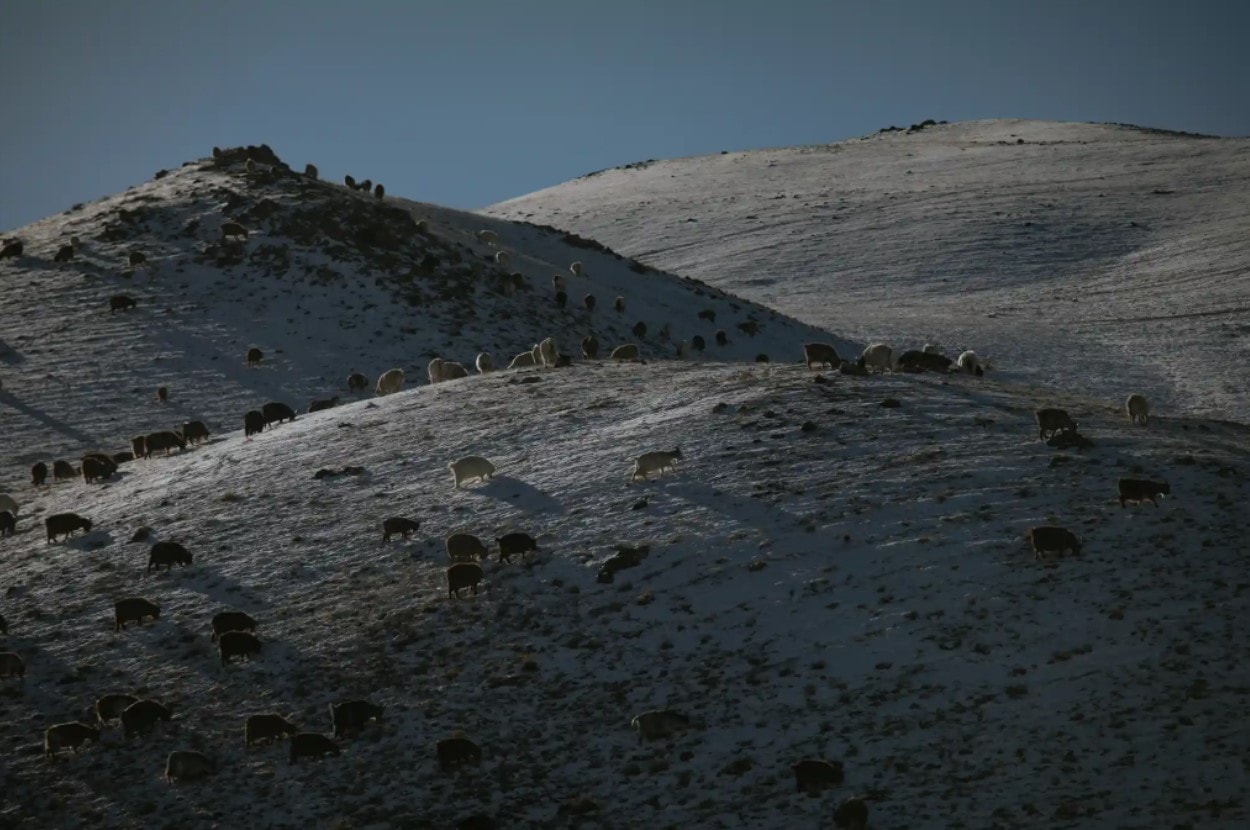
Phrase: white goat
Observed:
(627, 352)
(970, 363)
(436, 370)
(878, 356)
(471, 467)
(391, 380)
(8, 503)
(453, 370)
(655, 462)
(548, 352)
(485, 363)
(488, 237)
(1137, 406)
(522, 360)
(930, 348)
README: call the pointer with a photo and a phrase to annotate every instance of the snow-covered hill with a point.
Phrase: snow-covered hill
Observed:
(1108, 258)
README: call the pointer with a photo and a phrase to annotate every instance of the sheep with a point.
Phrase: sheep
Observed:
(471, 467)
(8, 523)
(366, 185)
(276, 413)
(421, 225)
(310, 170)
(397, 525)
(8, 503)
(266, 729)
(683, 350)
(590, 347)
(253, 422)
(484, 363)
(971, 364)
(329, 403)
(73, 734)
(655, 462)
(62, 469)
(698, 343)
(12, 249)
(254, 356)
(659, 723)
(1053, 421)
(749, 327)
(465, 547)
(226, 621)
(1051, 539)
(589, 302)
(195, 431)
(11, 664)
(110, 707)
(548, 352)
(349, 182)
(137, 258)
(441, 370)
(140, 718)
(456, 752)
(123, 457)
(249, 166)
(557, 282)
(487, 237)
(162, 394)
(133, 609)
(357, 382)
(1138, 408)
(761, 358)
(188, 765)
(562, 300)
(513, 544)
(619, 304)
(502, 259)
(463, 575)
(878, 356)
(914, 360)
(1139, 490)
(852, 814)
(312, 745)
(629, 351)
(352, 715)
(121, 302)
(138, 445)
(168, 554)
(390, 381)
(38, 474)
(640, 330)
(931, 348)
(522, 361)
(379, 191)
(813, 776)
(235, 229)
(821, 354)
(722, 339)
(625, 557)
(237, 644)
(96, 467)
(165, 440)
(708, 314)
(576, 268)
(64, 524)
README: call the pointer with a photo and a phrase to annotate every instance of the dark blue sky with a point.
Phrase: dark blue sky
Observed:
(468, 102)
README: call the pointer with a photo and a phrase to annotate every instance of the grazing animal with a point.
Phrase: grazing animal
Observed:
(469, 468)
(8, 523)
(441, 370)
(708, 314)
(194, 431)
(330, 403)
(123, 457)
(852, 814)
(165, 440)
(515, 544)
(237, 644)
(576, 268)
(249, 166)
(761, 358)
(8, 503)
(392, 380)
(312, 745)
(379, 191)
(640, 329)
(397, 525)
(64, 524)
(276, 413)
(351, 716)
(878, 356)
(465, 547)
(813, 776)
(225, 621)
(11, 664)
(1053, 421)
(137, 258)
(310, 170)
(590, 347)
(133, 609)
(266, 729)
(655, 462)
(139, 718)
(562, 300)
(659, 723)
(487, 237)
(64, 254)
(357, 382)
(229, 229)
(629, 351)
(111, 706)
(548, 352)
(619, 304)
(589, 302)
(456, 752)
(168, 554)
(254, 356)
(1139, 490)
(188, 765)
(557, 282)
(698, 343)
(162, 394)
(1138, 408)
(930, 348)
(121, 302)
(822, 354)
(463, 575)
(139, 445)
(522, 361)
(484, 363)
(502, 259)
(969, 362)
(366, 185)
(12, 249)
(253, 422)
(914, 360)
(722, 339)
(350, 182)
(1051, 539)
(38, 474)
(62, 469)
(72, 735)
(97, 466)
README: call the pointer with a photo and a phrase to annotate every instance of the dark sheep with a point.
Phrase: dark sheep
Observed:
(225, 621)
(357, 382)
(73, 735)
(139, 718)
(162, 394)
(562, 299)
(95, 467)
(761, 358)
(217, 152)
(139, 446)
(512, 544)
(590, 347)
(11, 664)
(1053, 421)
(12, 249)
(237, 644)
(1139, 490)
(660, 723)
(379, 191)
(310, 170)
(456, 752)
(165, 440)
(398, 525)
(38, 474)
(254, 356)
(229, 229)
(110, 707)
(1051, 539)
(62, 469)
(253, 422)
(366, 185)
(463, 575)
(722, 339)
(350, 716)
(8, 523)
(822, 354)
(266, 729)
(133, 609)
(698, 342)
(750, 328)
(275, 412)
(188, 765)
(137, 258)
(168, 554)
(312, 745)
(350, 182)
(121, 302)
(813, 776)
(122, 457)
(194, 431)
(852, 814)
(589, 302)
(64, 524)
(640, 329)
(619, 305)
(918, 360)
(708, 314)
(64, 254)
(317, 406)
(465, 547)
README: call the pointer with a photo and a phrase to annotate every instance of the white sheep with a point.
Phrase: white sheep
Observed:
(453, 370)
(878, 356)
(502, 259)
(8, 503)
(488, 237)
(576, 269)
(391, 380)
(436, 370)
(627, 352)
(930, 348)
(422, 225)
(471, 467)
(970, 363)
(485, 363)
(1138, 407)
(548, 352)
(655, 462)
(521, 361)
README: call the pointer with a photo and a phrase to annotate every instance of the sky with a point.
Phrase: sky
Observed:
(469, 102)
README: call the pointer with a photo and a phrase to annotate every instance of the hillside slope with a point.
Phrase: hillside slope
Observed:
(1110, 258)
(855, 590)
